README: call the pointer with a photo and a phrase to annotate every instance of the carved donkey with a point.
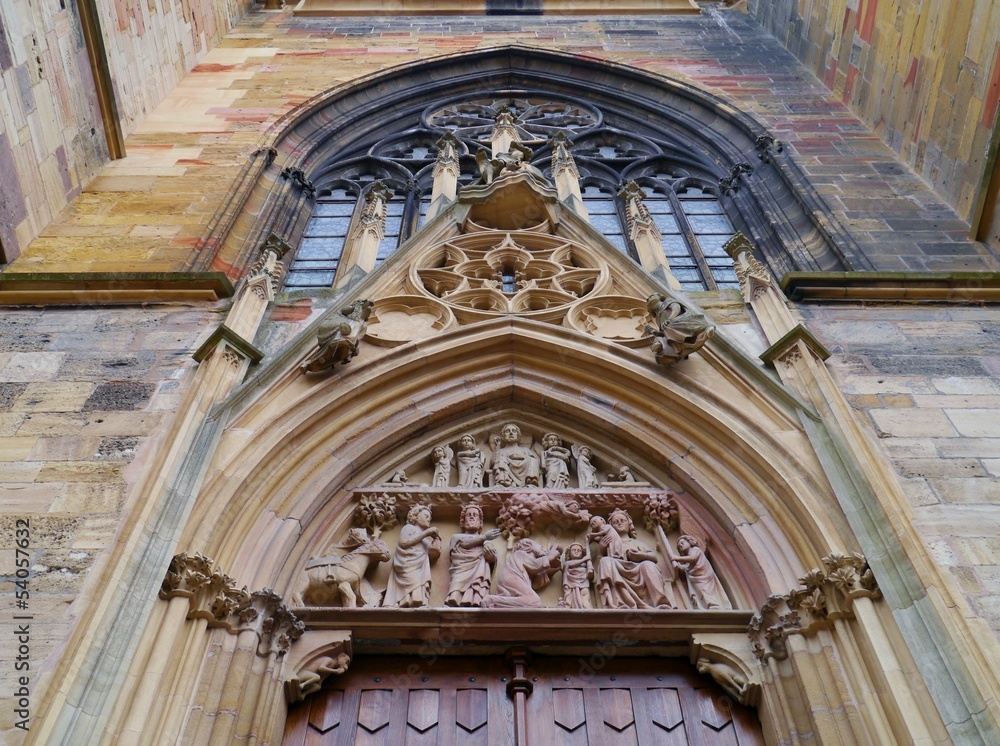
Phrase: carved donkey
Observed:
(339, 578)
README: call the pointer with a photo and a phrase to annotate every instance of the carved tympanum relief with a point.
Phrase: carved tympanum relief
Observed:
(567, 540)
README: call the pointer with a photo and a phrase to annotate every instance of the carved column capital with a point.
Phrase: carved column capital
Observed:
(214, 597)
(828, 595)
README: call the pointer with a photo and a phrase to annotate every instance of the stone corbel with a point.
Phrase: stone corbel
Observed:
(214, 597)
(828, 595)
(313, 658)
(728, 659)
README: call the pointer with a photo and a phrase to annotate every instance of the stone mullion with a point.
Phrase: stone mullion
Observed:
(691, 239)
(411, 211)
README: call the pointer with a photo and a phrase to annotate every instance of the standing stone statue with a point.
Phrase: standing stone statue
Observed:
(555, 462)
(441, 456)
(472, 560)
(577, 572)
(471, 463)
(586, 472)
(338, 338)
(418, 547)
(704, 588)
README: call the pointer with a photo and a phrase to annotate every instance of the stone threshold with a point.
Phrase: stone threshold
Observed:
(893, 286)
(101, 288)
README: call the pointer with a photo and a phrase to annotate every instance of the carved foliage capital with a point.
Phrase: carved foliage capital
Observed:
(828, 594)
(214, 597)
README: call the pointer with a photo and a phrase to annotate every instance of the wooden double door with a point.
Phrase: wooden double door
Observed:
(397, 701)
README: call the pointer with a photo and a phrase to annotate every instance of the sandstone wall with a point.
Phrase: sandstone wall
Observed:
(924, 75)
(52, 140)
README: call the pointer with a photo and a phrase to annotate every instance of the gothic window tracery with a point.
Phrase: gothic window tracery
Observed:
(681, 186)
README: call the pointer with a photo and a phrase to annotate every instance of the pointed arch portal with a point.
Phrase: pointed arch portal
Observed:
(298, 526)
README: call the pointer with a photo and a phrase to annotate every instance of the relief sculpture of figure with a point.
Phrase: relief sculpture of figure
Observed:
(627, 575)
(513, 465)
(577, 572)
(727, 677)
(472, 560)
(528, 569)
(586, 472)
(339, 337)
(678, 331)
(441, 456)
(471, 463)
(419, 546)
(555, 462)
(704, 588)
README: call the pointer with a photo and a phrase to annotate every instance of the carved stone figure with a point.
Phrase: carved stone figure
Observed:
(517, 159)
(418, 546)
(472, 560)
(310, 679)
(397, 479)
(732, 681)
(528, 569)
(627, 575)
(336, 581)
(555, 462)
(339, 337)
(577, 572)
(678, 331)
(704, 588)
(441, 456)
(471, 463)
(586, 472)
(513, 465)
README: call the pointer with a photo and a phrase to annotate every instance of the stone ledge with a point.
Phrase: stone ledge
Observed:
(523, 625)
(78, 288)
(892, 286)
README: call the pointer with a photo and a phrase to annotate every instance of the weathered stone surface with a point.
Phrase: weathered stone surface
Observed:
(119, 395)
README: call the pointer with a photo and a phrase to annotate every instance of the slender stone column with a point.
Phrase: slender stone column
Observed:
(361, 249)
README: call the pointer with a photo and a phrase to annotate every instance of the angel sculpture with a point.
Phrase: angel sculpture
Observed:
(678, 331)
(586, 472)
(513, 465)
(471, 463)
(703, 586)
(442, 457)
(339, 338)
(518, 158)
(488, 168)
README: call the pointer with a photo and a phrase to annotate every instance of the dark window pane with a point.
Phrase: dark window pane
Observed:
(600, 206)
(312, 279)
(666, 223)
(331, 209)
(692, 286)
(701, 207)
(658, 205)
(710, 224)
(606, 223)
(711, 245)
(321, 248)
(328, 226)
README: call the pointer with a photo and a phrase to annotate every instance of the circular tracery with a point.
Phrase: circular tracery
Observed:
(536, 119)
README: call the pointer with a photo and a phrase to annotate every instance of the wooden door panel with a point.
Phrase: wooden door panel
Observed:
(463, 702)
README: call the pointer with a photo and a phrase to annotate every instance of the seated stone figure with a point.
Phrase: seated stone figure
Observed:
(627, 576)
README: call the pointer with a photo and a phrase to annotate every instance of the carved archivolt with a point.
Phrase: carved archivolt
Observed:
(827, 596)
(213, 596)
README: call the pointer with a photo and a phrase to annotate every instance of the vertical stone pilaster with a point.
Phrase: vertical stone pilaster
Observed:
(361, 248)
